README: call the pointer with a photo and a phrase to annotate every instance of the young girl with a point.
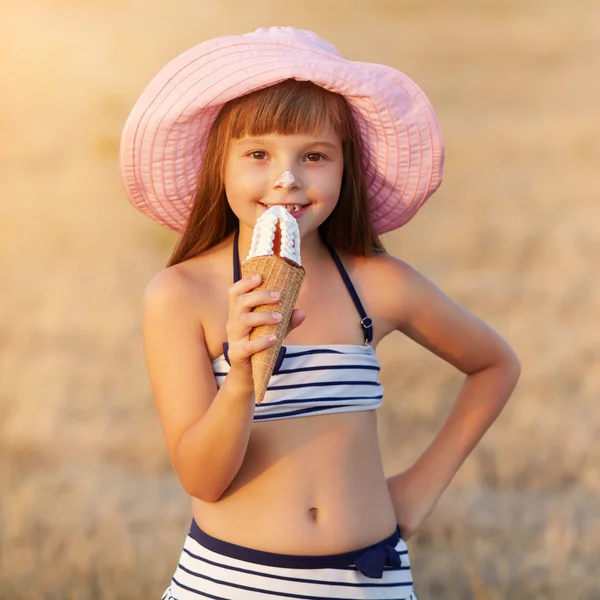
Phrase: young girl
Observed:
(289, 497)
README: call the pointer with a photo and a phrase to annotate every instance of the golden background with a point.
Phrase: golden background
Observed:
(89, 505)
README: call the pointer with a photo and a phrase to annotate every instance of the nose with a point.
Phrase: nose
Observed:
(286, 181)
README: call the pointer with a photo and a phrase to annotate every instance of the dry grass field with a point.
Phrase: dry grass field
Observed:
(89, 506)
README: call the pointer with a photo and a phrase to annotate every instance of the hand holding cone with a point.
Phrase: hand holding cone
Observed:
(275, 255)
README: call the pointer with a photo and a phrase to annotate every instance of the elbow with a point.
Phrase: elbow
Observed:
(508, 371)
(512, 366)
(502, 373)
(504, 363)
(196, 481)
(202, 476)
(197, 486)
(503, 360)
(201, 492)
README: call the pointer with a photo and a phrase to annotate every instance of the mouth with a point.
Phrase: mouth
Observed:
(294, 209)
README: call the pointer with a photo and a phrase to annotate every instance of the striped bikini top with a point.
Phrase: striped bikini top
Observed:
(317, 379)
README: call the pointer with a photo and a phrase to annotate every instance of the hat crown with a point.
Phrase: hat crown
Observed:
(294, 36)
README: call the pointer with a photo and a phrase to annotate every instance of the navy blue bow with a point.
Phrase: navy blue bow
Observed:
(373, 561)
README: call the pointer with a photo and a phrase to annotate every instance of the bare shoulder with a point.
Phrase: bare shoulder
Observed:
(386, 281)
(183, 288)
(172, 314)
(166, 290)
(382, 266)
(173, 286)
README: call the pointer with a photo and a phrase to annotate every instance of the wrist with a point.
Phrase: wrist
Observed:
(240, 381)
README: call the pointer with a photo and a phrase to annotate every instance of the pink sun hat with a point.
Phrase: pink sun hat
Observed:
(165, 136)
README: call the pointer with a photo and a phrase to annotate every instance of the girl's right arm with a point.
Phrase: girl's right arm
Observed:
(206, 429)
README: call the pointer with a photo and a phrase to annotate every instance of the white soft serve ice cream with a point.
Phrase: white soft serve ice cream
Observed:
(263, 236)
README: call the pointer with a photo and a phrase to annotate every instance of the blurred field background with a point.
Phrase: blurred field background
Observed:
(89, 506)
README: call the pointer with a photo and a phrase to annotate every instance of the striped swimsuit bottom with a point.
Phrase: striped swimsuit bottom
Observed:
(212, 568)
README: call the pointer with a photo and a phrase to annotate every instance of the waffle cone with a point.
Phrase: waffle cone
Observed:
(281, 275)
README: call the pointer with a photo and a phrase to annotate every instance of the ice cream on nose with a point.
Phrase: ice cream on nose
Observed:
(285, 180)
(274, 254)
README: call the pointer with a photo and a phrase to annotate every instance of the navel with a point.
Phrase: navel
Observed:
(313, 513)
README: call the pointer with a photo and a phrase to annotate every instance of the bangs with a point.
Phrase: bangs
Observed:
(288, 108)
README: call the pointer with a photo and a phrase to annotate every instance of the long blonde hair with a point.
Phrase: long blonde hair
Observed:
(290, 107)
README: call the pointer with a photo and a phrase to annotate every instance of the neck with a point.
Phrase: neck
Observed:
(312, 249)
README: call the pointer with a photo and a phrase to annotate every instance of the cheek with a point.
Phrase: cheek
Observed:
(329, 182)
(243, 184)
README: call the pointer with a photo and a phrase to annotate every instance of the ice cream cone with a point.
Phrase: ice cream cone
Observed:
(285, 276)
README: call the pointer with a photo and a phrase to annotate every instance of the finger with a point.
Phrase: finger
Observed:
(243, 286)
(256, 318)
(251, 310)
(244, 349)
(256, 298)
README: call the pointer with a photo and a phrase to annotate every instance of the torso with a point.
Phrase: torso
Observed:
(310, 485)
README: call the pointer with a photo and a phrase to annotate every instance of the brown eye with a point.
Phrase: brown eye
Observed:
(314, 157)
(258, 154)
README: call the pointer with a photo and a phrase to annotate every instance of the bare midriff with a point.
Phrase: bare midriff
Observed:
(308, 486)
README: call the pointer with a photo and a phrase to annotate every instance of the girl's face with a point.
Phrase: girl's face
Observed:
(253, 165)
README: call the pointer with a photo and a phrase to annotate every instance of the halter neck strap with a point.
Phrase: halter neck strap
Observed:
(365, 321)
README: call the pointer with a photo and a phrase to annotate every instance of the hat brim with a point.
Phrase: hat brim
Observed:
(165, 136)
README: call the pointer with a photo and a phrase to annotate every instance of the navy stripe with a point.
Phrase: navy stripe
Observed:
(320, 368)
(326, 399)
(321, 384)
(318, 349)
(325, 367)
(306, 352)
(294, 579)
(275, 559)
(239, 586)
(398, 552)
(189, 589)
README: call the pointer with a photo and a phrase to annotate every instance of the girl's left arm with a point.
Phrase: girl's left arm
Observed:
(429, 317)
